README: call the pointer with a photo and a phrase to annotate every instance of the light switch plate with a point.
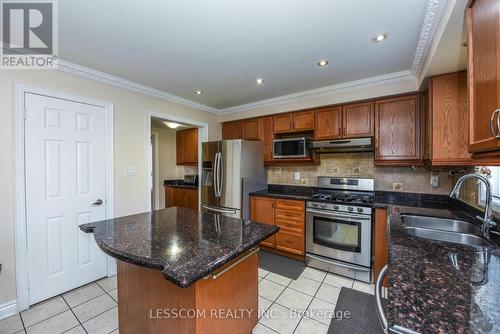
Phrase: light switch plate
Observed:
(129, 171)
(297, 175)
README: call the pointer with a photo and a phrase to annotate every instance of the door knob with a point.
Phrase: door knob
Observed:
(98, 202)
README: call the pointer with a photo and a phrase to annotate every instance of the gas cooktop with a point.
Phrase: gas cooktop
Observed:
(344, 190)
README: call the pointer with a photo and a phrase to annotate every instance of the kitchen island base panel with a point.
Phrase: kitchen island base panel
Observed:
(227, 304)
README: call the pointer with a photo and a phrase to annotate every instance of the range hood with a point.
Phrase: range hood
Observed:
(344, 145)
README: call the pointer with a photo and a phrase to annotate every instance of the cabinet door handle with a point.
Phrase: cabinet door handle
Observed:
(498, 123)
(494, 132)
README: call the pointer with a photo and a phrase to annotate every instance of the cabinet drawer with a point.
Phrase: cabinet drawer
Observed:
(290, 242)
(269, 242)
(290, 225)
(296, 216)
(287, 204)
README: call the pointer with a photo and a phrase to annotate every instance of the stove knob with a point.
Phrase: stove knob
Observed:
(360, 210)
(350, 209)
(336, 207)
(315, 205)
(323, 206)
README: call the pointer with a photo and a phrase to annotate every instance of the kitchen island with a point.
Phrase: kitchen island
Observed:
(184, 271)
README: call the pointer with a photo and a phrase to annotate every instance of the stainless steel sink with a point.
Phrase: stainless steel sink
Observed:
(453, 237)
(442, 224)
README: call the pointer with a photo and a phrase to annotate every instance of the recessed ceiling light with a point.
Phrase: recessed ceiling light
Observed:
(323, 62)
(198, 92)
(379, 37)
(172, 125)
(260, 81)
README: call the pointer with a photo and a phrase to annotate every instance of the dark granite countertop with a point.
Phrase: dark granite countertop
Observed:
(186, 245)
(301, 193)
(179, 184)
(426, 293)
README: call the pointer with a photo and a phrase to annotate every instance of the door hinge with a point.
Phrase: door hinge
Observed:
(25, 114)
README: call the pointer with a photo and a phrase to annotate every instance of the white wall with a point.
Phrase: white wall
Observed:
(130, 121)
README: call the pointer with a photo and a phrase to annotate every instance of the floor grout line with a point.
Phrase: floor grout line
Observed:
(307, 308)
(74, 315)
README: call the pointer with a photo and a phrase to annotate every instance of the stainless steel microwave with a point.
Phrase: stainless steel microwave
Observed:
(292, 148)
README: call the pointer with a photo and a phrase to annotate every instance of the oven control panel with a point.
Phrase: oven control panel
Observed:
(340, 208)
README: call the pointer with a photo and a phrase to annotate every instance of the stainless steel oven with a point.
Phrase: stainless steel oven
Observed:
(339, 236)
(292, 148)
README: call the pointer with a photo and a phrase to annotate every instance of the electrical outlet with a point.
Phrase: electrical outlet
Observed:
(304, 182)
(335, 171)
(356, 171)
(398, 186)
(297, 176)
(435, 181)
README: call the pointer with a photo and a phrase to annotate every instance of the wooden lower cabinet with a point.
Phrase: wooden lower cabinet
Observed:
(380, 250)
(181, 197)
(262, 211)
(144, 297)
(289, 215)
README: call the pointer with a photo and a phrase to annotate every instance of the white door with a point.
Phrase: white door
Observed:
(65, 177)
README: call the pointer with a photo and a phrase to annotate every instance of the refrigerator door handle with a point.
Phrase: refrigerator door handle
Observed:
(220, 170)
(218, 209)
(216, 162)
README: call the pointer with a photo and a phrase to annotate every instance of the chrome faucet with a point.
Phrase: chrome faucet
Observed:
(488, 222)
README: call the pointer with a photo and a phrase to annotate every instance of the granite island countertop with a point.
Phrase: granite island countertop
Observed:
(426, 293)
(185, 245)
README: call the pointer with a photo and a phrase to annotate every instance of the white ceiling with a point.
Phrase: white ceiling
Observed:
(222, 46)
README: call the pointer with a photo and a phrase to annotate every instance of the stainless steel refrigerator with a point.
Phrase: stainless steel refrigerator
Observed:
(231, 169)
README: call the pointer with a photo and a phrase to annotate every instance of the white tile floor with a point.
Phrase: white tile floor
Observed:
(304, 305)
(89, 309)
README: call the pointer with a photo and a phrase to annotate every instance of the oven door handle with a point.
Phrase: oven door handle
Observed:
(351, 216)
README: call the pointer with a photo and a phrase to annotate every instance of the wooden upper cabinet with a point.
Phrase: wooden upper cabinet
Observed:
(328, 123)
(262, 211)
(483, 28)
(301, 121)
(358, 119)
(267, 136)
(397, 131)
(251, 129)
(187, 147)
(232, 130)
(283, 123)
(446, 120)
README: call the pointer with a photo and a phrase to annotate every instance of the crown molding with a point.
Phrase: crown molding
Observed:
(115, 81)
(444, 19)
(324, 91)
(426, 36)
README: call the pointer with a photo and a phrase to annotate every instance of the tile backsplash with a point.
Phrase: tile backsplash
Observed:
(361, 165)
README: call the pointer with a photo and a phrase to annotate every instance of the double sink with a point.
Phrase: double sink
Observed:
(444, 229)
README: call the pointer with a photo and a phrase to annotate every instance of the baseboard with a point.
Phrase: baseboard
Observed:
(8, 309)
